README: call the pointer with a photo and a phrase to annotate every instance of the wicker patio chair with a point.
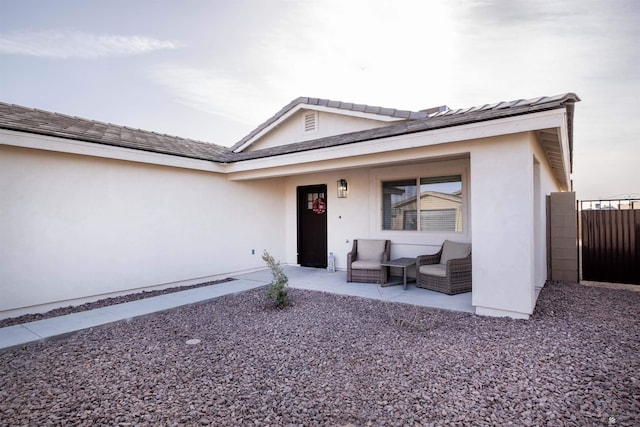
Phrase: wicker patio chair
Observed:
(363, 262)
(448, 271)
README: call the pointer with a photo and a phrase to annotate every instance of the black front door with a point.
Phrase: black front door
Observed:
(312, 226)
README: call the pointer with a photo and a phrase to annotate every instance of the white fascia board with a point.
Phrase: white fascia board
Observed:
(441, 151)
(564, 150)
(70, 146)
(264, 167)
(360, 114)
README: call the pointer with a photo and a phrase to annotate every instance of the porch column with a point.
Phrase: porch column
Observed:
(502, 227)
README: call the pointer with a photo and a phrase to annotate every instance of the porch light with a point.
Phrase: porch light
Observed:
(342, 188)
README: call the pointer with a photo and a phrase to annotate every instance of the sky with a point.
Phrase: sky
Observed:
(214, 70)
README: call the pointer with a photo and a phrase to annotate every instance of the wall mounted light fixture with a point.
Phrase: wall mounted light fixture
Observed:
(342, 188)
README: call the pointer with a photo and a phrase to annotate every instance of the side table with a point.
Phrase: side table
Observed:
(402, 263)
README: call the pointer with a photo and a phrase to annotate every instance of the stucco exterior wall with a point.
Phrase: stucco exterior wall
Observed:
(502, 218)
(328, 124)
(346, 217)
(359, 215)
(510, 183)
(505, 183)
(76, 226)
(547, 185)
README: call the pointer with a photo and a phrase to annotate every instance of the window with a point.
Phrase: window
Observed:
(399, 205)
(311, 197)
(423, 204)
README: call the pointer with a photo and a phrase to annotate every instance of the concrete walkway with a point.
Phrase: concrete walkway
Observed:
(299, 278)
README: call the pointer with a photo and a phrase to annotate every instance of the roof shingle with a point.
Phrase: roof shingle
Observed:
(347, 106)
(441, 119)
(18, 118)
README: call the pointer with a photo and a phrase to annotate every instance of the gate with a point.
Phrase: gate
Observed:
(610, 234)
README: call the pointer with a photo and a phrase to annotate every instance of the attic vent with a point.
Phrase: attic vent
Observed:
(310, 122)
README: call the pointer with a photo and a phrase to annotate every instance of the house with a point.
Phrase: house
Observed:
(91, 209)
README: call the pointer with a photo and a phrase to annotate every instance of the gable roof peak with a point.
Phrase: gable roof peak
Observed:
(438, 109)
(322, 103)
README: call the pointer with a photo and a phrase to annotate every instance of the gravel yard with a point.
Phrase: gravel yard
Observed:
(339, 360)
(101, 303)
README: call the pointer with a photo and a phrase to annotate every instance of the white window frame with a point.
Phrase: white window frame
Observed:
(417, 171)
(416, 209)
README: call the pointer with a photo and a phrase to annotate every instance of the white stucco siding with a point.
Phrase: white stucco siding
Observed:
(347, 218)
(359, 215)
(547, 185)
(503, 226)
(328, 124)
(76, 226)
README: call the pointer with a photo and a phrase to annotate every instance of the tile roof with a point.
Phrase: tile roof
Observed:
(439, 119)
(347, 106)
(18, 118)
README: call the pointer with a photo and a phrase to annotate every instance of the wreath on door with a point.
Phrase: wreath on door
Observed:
(319, 206)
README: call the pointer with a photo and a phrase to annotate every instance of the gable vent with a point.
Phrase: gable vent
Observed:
(310, 122)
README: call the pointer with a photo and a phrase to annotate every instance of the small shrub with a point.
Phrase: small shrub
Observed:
(277, 291)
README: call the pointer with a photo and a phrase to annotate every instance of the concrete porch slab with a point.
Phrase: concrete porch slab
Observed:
(318, 279)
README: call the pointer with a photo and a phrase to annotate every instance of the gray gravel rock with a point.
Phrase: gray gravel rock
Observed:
(101, 303)
(339, 360)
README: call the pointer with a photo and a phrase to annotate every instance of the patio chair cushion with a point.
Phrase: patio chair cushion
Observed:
(365, 265)
(370, 250)
(439, 270)
(454, 250)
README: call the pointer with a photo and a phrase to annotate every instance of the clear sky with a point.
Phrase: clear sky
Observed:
(214, 70)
